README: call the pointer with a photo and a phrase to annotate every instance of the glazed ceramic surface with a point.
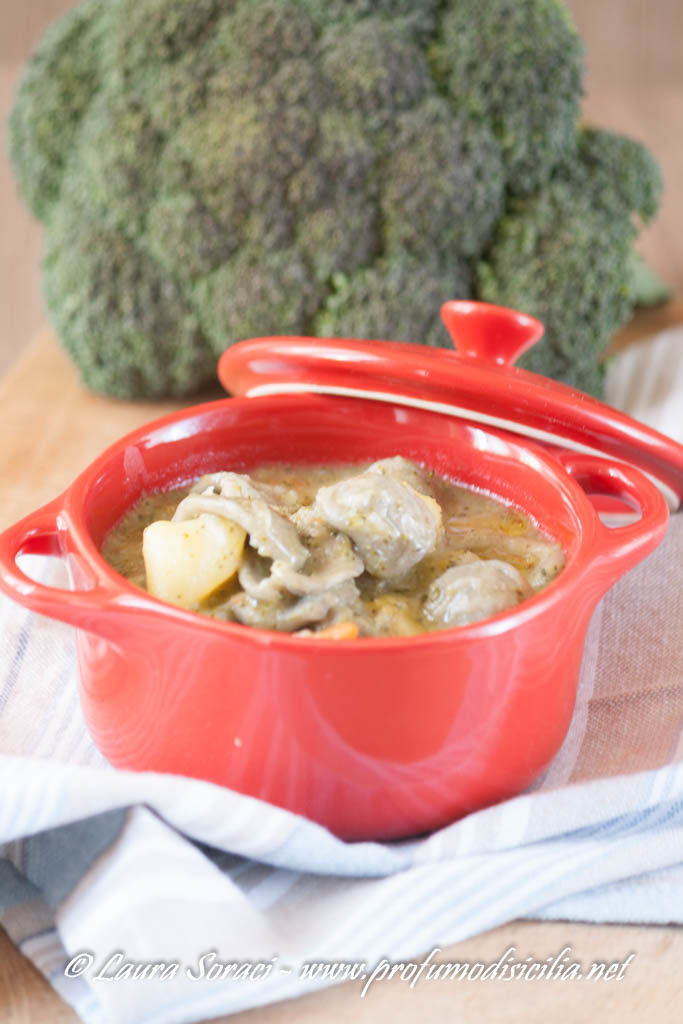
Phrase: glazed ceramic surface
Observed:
(374, 738)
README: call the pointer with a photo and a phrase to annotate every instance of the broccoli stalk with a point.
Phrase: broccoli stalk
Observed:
(209, 170)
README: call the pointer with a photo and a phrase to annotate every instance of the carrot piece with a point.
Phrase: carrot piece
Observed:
(340, 631)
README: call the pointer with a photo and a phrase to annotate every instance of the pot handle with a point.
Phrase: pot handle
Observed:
(46, 532)
(624, 546)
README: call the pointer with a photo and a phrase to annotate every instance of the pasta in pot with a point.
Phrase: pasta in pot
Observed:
(384, 549)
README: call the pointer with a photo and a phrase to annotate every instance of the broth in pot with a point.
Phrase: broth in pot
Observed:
(381, 549)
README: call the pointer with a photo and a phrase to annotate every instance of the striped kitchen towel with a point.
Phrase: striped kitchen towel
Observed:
(104, 872)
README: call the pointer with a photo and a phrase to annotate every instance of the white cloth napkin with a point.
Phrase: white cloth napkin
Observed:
(171, 870)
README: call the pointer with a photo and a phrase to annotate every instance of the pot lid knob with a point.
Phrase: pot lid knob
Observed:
(492, 334)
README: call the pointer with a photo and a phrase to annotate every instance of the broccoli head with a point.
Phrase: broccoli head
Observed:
(208, 170)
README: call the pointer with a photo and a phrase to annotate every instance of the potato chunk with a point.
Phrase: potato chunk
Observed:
(186, 562)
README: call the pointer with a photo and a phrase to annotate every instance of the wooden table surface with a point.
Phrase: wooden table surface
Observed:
(51, 429)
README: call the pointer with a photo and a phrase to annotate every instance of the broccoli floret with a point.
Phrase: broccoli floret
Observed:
(213, 169)
(419, 18)
(55, 91)
(156, 33)
(517, 65)
(552, 253)
(394, 299)
(444, 185)
(340, 238)
(251, 295)
(375, 70)
(618, 173)
(116, 167)
(121, 318)
(569, 247)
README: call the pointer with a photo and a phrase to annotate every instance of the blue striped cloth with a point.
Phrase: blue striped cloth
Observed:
(180, 872)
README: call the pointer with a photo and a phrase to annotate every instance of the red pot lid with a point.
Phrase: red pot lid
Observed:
(477, 382)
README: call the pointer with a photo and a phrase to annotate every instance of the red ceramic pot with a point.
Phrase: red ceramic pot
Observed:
(374, 738)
